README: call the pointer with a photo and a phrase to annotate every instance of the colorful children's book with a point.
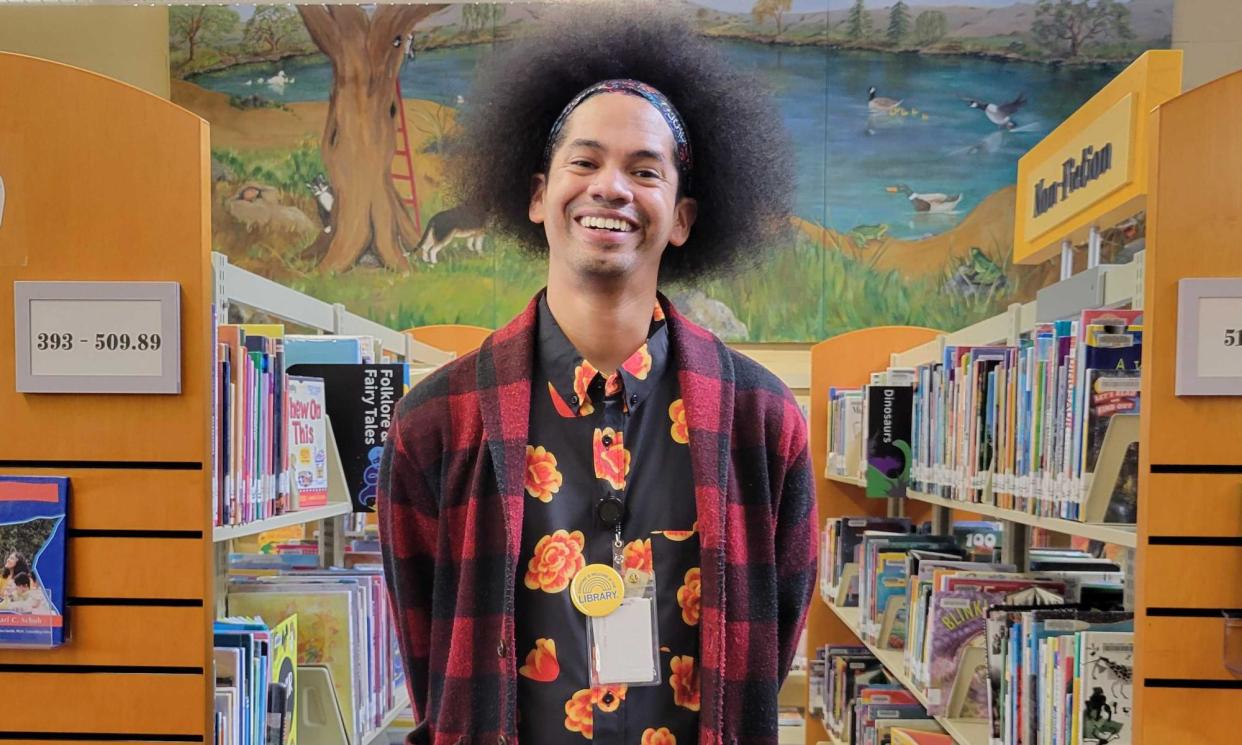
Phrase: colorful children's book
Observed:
(33, 511)
(283, 699)
(1107, 669)
(308, 440)
(889, 419)
(904, 736)
(361, 400)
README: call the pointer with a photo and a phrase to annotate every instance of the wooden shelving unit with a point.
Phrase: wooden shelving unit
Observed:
(1187, 546)
(963, 731)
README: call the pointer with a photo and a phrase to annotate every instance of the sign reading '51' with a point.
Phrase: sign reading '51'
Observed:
(98, 337)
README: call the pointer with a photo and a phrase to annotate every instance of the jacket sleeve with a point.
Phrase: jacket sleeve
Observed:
(408, 515)
(796, 539)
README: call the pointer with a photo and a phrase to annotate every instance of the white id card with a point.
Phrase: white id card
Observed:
(625, 644)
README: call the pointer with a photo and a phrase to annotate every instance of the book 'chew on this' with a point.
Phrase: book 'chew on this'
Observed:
(33, 510)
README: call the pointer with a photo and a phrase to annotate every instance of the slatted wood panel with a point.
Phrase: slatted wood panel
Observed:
(1187, 504)
(844, 361)
(1174, 716)
(103, 499)
(1184, 648)
(106, 182)
(1194, 215)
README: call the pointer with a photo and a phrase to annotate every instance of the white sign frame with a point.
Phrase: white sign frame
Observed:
(167, 293)
(1191, 292)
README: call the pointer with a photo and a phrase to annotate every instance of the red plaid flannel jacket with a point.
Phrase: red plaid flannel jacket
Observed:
(450, 516)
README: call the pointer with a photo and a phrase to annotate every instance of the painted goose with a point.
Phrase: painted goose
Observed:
(927, 202)
(879, 104)
(999, 114)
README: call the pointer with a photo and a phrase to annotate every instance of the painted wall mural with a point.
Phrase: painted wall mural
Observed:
(908, 119)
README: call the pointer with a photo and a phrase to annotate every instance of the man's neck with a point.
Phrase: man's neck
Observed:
(606, 327)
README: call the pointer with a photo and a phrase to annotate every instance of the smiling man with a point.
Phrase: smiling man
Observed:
(601, 525)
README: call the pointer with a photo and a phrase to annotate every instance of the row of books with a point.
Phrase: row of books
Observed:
(276, 398)
(861, 704)
(344, 624)
(934, 598)
(256, 681)
(1021, 427)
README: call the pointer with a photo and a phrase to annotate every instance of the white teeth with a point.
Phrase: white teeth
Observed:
(605, 223)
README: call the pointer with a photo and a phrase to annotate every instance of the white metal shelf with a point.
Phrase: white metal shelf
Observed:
(236, 285)
(842, 479)
(963, 732)
(1120, 535)
(374, 735)
(223, 533)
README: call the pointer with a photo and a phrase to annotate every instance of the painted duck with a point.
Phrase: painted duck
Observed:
(879, 104)
(999, 114)
(927, 201)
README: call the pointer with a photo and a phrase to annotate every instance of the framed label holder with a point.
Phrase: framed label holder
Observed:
(97, 337)
(1209, 337)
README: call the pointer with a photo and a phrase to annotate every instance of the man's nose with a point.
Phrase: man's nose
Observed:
(611, 185)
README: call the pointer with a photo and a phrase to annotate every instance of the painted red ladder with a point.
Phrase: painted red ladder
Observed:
(404, 151)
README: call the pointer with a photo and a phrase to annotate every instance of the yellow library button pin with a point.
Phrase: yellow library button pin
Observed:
(597, 590)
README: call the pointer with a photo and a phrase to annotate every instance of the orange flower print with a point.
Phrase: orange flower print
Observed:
(583, 375)
(657, 314)
(542, 478)
(612, 386)
(558, 557)
(679, 535)
(639, 363)
(638, 556)
(658, 737)
(580, 709)
(541, 663)
(612, 461)
(558, 403)
(688, 598)
(680, 430)
(685, 682)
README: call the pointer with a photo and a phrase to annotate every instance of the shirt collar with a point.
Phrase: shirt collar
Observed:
(574, 384)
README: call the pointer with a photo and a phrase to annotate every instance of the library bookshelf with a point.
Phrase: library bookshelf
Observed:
(105, 182)
(1187, 546)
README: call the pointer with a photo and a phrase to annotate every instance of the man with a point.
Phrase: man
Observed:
(600, 527)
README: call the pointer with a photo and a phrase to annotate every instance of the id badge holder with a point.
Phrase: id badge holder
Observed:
(624, 645)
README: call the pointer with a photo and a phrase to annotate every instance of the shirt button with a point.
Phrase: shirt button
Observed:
(573, 399)
(608, 699)
(607, 440)
(500, 649)
(633, 398)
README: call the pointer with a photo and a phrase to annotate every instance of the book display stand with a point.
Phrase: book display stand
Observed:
(105, 182)
(1186, 549)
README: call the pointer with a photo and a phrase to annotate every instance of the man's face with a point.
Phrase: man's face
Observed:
(609, 202)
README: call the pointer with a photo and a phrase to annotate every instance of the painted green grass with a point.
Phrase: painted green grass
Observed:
(802, 294)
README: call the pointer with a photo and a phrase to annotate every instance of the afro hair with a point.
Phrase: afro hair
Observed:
(743, 165)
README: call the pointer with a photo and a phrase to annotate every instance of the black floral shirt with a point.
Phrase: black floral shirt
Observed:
(592, 435)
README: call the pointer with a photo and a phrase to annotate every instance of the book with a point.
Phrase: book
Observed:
(888, 433)
(33, 511)
(904, 736)
(1107, 668)
(283, 701)
(360, 401)
(308, 440)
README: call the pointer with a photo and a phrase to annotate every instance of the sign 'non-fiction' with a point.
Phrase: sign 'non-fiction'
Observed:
(1089, 167)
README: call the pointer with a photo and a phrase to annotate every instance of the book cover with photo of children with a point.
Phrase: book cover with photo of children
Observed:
(32, 548)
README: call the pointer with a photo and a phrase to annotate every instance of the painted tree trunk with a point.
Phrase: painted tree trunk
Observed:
(359, 136)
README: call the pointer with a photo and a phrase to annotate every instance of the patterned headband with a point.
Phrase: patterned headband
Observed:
(681, 142)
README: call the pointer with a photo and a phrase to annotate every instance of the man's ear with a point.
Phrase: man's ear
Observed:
(684, 215)
(538, 187)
